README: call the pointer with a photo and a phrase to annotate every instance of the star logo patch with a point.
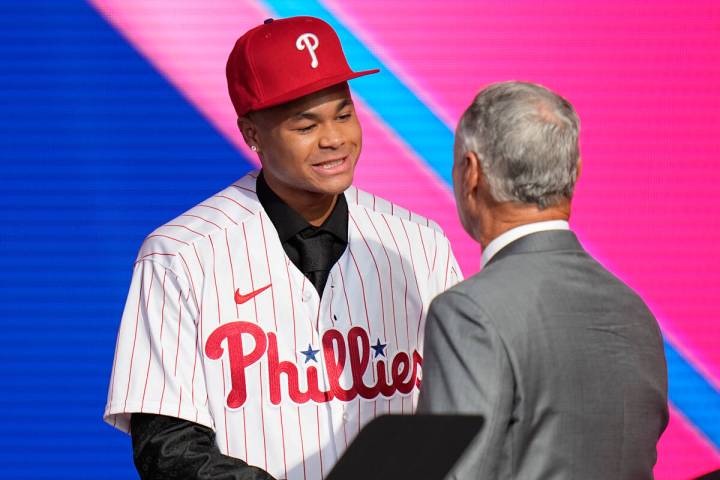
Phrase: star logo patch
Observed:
(310, 354)
(379, 348)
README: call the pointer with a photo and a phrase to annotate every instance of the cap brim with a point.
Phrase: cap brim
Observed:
(309, 88)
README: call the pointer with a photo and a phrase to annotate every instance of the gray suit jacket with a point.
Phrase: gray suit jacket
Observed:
(563, 360)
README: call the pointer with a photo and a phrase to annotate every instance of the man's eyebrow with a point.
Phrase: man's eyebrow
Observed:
(312, 116)
(344, 103)
(305, 115)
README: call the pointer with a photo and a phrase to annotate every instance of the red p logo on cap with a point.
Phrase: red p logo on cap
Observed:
(285, 59)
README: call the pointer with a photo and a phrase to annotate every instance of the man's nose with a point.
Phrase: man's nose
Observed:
(331, 137)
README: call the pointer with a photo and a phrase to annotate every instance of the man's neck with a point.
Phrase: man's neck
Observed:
(312, 206)
(506, 216)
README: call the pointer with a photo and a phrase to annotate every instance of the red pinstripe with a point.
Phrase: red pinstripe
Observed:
(332, 297)
(198, 349)
(153, 253)
(252, 281)
(402, 264)
(422, 242)
(367, 317)
(244, 433)
(407, 326)
(434, 254)
(447, 265)
(362, 288)
(317, 416)
(412, 262)
(202, 270)
(179, 330)
(227, 439)
(219, 210)
(272, 293)
(185, 227)
(222, 363)
(382, 301)
(317, 322)
(252, 285)
(312, 330)
(167, 236)
(232, 272)
(192, 380)
(262, 417)
(292, 305)
(179, 403)
(243, 188)
(267, 260)
(377, 269)
(112, 377)
(235, 202)
(347, 302)
(282, 433)
(302, 444)
(162, 349)
(295, 352)
(137, 319)
(392, 290)
(200, 218)
(192, 285)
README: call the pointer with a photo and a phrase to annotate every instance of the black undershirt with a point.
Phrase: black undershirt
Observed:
(168, 447)
(314, 250)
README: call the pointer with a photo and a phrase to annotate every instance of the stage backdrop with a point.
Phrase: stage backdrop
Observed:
(115, 119)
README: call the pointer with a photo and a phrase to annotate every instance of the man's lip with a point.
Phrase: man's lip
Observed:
(338, 159)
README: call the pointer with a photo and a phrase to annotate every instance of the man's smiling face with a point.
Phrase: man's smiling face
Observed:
(311, 144)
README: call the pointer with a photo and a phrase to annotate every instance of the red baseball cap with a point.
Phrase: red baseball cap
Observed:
(285, 59)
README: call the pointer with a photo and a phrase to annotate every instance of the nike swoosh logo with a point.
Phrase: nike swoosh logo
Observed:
(240, 299)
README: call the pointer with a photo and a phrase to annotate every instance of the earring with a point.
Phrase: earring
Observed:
(253, 148)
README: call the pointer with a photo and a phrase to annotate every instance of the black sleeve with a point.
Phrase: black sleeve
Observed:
(171, 448)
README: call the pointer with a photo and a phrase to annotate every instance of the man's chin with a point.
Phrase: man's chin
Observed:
(334, 185)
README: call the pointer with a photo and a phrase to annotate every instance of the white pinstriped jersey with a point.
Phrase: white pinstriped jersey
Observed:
(222, 329)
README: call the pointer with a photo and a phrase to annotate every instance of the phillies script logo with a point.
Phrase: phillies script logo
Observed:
(337, 351)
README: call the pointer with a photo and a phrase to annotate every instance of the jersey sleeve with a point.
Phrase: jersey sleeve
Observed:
(157, 367)
(446, 271)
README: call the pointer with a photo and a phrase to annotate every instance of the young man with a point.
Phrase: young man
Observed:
(268, 324)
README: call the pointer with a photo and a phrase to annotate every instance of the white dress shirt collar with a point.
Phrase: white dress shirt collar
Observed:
(514, 233)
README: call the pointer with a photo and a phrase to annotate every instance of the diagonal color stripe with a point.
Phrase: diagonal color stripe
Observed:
(389, 97)
(693, 395)
(432, 140)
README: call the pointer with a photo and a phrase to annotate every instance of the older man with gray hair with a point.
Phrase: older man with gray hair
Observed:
(563, 360)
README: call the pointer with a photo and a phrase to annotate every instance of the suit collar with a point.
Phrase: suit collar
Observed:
(520, 231)
(547, 241)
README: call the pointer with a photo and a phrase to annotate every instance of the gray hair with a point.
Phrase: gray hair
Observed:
(526, 138)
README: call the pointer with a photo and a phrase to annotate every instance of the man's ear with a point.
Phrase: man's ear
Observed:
(472, 174)
(249, 131)
(579, 168)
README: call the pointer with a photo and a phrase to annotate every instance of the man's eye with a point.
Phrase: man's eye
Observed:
(305, 129)
(344, 116)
